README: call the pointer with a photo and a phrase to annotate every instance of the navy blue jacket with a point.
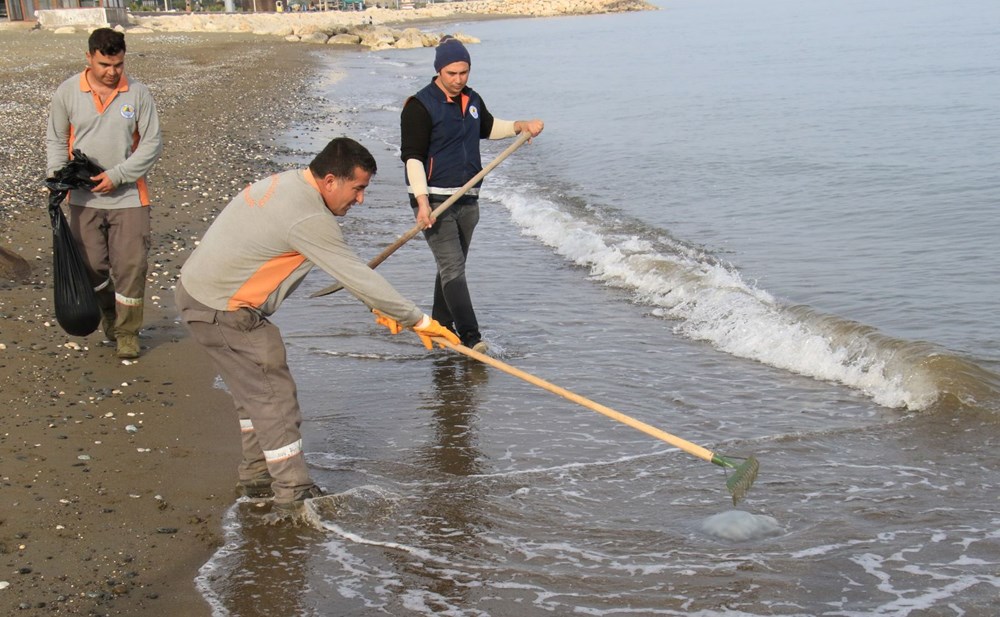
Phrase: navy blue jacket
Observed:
(455, 128)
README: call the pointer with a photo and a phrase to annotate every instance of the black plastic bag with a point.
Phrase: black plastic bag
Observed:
(77, 310)
(76, 174)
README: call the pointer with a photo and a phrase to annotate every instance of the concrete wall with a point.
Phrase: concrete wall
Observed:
(83, 18)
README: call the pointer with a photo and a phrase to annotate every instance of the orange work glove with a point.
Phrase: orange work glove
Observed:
(427, 329)
(384, 320)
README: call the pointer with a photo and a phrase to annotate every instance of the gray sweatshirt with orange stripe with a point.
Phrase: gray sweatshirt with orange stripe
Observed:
(267, 239)
(122, 136)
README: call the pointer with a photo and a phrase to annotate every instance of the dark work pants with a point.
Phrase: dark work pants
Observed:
(449, 240)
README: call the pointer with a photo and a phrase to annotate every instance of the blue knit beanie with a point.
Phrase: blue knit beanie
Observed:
(450, 50)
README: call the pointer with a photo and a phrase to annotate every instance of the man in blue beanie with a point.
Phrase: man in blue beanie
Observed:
(441, 126)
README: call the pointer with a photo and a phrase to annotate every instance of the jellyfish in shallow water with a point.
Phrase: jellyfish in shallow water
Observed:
(739, 526)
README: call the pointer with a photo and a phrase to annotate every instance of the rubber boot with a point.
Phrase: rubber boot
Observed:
(106, 300)
(127, 325)
(108, 319)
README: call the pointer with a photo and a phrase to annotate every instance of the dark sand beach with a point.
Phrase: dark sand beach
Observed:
(115, 474)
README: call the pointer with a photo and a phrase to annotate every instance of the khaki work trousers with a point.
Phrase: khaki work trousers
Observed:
(250, 355)
(115, 245)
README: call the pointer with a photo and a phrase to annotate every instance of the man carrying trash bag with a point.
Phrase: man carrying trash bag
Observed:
(77, 309)
(113, 120)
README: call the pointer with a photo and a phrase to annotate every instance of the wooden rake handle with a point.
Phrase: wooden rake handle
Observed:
(389, 250)
(652, 431)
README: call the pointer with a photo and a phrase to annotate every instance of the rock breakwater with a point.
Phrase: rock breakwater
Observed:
(373, 28)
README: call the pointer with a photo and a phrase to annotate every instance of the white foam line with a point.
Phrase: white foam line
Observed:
(712, 303)
(513, 473)
(317, 521)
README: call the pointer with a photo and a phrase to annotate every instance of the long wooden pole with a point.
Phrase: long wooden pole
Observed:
(652, 431)
(740, 478)
(389, 250)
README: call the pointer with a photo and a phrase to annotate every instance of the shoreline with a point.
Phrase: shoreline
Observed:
(116, 474)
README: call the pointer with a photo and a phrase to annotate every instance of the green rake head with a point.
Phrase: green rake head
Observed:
(742, 477)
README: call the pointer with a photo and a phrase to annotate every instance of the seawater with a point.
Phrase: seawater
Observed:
(765, 227)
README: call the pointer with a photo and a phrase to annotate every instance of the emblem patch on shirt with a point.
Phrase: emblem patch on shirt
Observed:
(128, 112)
(474, 111)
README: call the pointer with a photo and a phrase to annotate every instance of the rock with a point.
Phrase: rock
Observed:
(344, 39)
(377, 38)
(411, 38)
(466, 39)
(316, 38)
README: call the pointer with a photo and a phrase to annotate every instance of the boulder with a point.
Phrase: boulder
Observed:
(377, 38)
(316, 38)
(309, 28)
(344, 39)
(411, 38)
(466, 39)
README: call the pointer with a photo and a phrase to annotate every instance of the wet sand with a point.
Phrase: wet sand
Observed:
(115, 474)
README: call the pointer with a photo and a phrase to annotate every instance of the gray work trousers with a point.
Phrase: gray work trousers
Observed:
(115, 245)
(449, 240)
(250, 355)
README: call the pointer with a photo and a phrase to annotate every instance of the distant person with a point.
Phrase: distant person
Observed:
(113, 120)
(441, 126)
(253, 256)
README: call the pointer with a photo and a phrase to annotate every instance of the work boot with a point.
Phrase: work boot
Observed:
(257, 488)
(127, 330)
(128, 346)
(292, 511)
(108, 324)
